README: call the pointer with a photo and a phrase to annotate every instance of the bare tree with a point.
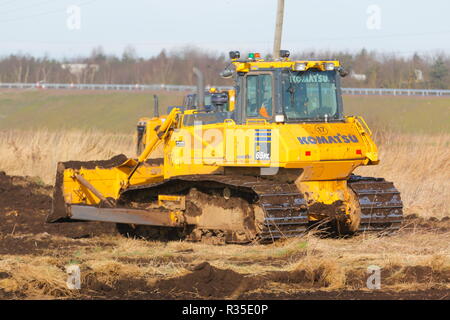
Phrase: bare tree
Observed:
(175, 67)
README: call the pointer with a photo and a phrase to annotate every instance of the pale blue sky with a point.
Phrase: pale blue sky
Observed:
(39, 26)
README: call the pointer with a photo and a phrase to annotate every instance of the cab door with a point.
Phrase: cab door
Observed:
(259, 98)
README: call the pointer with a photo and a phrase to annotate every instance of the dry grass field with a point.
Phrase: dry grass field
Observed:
(415, 264)
(36, 153)
(415, 261)
(419, 164)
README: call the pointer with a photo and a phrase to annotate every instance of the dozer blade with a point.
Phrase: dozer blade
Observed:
(96, 184)
(124, 215)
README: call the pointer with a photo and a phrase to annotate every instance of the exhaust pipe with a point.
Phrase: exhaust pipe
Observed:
(200, 88)
(155, 106)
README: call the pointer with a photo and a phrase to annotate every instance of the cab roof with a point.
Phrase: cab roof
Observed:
(296, 65)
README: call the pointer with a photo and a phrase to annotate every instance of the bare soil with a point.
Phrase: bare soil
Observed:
(24, 234)
(24, 206)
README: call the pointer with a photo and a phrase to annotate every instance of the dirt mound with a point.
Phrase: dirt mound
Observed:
(110, 163)
(413, 221)
(307, 279)
(124, 288)
(23, 193)
(205, 281)
(415, 274)
(430, 294)
(25, 204)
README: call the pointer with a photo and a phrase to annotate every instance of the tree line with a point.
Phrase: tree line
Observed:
(366, 68)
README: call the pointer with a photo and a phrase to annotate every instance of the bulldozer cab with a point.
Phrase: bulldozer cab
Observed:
(282, 94)
(281, 91)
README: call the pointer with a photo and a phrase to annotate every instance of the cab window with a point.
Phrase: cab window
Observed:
(259, 96)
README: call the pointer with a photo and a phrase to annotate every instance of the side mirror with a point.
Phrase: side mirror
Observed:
(342, 72)
(227, 73)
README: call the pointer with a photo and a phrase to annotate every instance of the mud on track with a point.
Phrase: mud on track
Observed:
(25, 237)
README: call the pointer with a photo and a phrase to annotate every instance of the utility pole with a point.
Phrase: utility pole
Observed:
(278, 29)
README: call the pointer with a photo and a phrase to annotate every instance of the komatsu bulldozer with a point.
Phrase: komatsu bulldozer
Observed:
(279, 163)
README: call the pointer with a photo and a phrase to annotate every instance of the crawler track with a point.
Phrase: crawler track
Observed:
(381, 205)
(285, 208)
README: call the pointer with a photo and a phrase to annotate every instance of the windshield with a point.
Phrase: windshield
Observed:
(207, 99)
(190, 103)
(311, 95)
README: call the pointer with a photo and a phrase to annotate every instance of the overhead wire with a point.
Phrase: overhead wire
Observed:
(32, 5)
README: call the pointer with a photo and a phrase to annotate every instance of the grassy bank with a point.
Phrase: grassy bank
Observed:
(63, 110)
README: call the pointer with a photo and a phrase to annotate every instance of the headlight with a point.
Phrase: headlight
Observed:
(279, 118)
(300, 66)
(329, 66)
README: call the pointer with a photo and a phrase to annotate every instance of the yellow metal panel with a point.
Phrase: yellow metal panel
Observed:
(323, 150)
(107, 181)
(327, 192)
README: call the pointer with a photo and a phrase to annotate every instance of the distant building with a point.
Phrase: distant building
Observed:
(419, 75)
(358, 76)
(78, 69)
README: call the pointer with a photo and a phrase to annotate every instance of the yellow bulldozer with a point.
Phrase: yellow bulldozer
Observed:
(279, 163)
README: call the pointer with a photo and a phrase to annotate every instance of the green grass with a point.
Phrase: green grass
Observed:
(108, 111)
(404, 114)
(119, 111)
